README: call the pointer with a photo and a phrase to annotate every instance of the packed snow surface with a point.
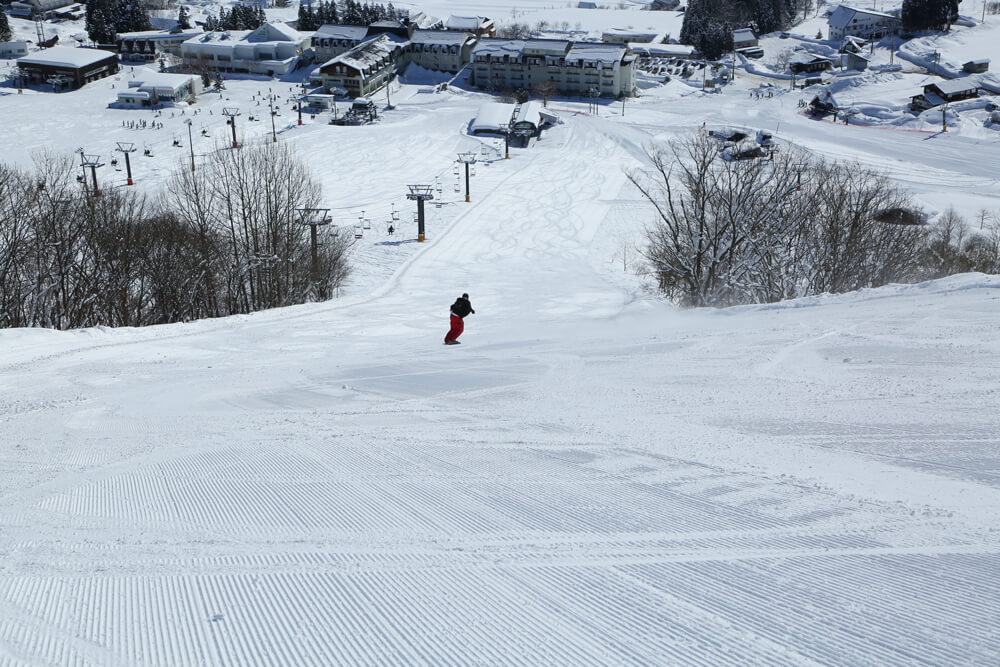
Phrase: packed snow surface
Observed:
(593, 477)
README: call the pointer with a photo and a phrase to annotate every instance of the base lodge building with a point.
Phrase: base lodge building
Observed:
(68, 67)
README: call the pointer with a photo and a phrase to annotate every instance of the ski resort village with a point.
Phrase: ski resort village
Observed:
(499, 332)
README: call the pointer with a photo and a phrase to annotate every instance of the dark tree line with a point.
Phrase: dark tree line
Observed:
(350, 12)
(240, 17)
(106, 18)
(743, 231)
(708, 24)
(5, 31)
(223, 240)
(929, 14)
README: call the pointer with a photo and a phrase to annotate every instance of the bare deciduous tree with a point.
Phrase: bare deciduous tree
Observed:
(729, 230)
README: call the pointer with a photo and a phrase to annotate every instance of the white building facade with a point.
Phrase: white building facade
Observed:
(866, 23)
(272, 49)
(576, 68)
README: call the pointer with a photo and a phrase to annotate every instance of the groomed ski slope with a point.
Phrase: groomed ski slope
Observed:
(593, 477)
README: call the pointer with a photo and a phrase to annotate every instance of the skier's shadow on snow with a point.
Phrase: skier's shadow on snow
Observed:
(401, 242)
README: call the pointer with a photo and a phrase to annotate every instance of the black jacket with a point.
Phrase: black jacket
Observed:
(462, 307)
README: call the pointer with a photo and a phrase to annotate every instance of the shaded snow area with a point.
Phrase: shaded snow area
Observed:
(594, 477)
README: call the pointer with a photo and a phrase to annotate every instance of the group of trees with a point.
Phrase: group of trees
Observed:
(5, 31)
(350, 13)
(929, 14)
(732, 231)
(708, 24)
(106, 18)
(222, 240)
(240, 17)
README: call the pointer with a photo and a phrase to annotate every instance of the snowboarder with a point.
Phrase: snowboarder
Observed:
(459, 310)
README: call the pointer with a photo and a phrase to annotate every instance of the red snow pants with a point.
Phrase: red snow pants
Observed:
(457, 327)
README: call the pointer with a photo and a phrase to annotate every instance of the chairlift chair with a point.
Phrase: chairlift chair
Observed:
(358, 232)
(367, 223)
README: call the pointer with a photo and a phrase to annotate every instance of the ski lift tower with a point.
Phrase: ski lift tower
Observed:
(505, 129)
(231, 113)
(467, 159)
(420, 193)
(126, 148)
(315, 217)
(94, 162)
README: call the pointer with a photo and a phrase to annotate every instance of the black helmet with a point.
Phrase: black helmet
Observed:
(465, 295)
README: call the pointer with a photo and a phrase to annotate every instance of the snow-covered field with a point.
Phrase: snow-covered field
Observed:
(593, 477)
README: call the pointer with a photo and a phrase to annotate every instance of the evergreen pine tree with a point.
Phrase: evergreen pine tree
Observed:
(308, 20)
(183, 18)
(929, 14)
(98, 21)
(130, 16)
(219, 85)
(5, 32)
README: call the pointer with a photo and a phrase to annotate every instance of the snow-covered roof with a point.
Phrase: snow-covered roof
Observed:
(622, 32)
(529, 112)
(66, 56)
(843, 15)
(547, 46)
(596, 52)
(275, 32)
(979, 61)
(366, 54)
(743, 35)
(491, 116)
(345, 32)
(48, 5)
(465, 22)
(664, 50)
(959, 85)
(422, 20)
(804, 57)
(221, 37)
(449, 37)
(160, 81)
(155, 35)
(499, 47)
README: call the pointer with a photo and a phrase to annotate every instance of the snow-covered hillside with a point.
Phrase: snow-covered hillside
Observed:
(593, 477)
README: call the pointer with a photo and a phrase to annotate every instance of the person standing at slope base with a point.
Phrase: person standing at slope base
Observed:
(459, 310)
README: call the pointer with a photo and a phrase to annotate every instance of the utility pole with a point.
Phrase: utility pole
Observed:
(191, 144)
(298, 107)
(420, 193)
(315, 217)
(467, 159)
(93, 161)
(127, 148)
(231, 113)
(944, 118)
